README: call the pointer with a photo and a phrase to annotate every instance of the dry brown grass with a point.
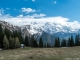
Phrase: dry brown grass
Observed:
(40, 53)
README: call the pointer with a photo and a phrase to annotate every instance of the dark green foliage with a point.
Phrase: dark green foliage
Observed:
(77, 42)
(63, 43)
(18, 34)
(15, 34)
(40, 43)
(57, 42)
(5, 42)
(33, 42)
(1, 36)
(7, 32)
(20, 38)
(26, 41)
(44, 45)
(17, 43)
(12, 43)
(13, 39)
(70, 41)
(48, 45)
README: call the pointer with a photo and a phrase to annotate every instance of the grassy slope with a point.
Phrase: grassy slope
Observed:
(40, 54)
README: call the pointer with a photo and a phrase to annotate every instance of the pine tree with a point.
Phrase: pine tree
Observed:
(72, 41)
(7, 32)
(77, 42)
(17, 43)
(69, 42)
(21, 39)
(44, 45)
(26, 41)
(1, 36)
(5, 42)
(47, 45)
(63, 43)
(40, 43)
(15, 34)
(33, 42)
(18, 34)
(12, 43)
(57, 42)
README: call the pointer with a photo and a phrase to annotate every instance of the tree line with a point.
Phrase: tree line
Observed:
(70, 42)
(12, 40)
(8, 39)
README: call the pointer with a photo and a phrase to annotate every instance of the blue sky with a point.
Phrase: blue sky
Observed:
(41, 8)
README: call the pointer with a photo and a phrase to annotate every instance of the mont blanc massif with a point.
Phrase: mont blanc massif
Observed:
(48, 30)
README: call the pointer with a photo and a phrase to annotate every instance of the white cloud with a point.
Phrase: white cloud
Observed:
(33, 0)
(40, 19)
(7, 8)
(32, 16)
(39, 15)
(1, 11)
(2, 17)
(54, 2)
(26, 19)
(20, 16)
(28, 10)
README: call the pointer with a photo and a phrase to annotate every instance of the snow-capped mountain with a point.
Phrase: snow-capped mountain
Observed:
(47, 30)
(49, 27)
(29, 31)
(53, 28)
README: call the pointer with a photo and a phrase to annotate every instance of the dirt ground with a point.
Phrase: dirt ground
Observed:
(69, 53)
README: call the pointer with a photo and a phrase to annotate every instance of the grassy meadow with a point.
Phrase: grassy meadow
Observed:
(68, 53)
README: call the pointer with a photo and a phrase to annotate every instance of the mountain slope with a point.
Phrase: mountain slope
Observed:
(50, 27)
(29, 31)
(48, 30)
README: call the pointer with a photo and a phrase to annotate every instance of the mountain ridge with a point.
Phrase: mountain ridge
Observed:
(47, 30)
